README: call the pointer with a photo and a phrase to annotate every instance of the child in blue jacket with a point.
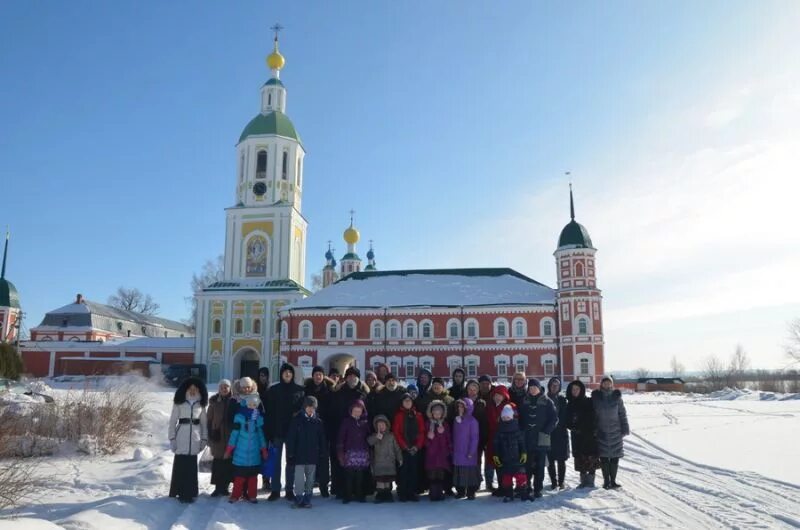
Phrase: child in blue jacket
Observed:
(248, 447)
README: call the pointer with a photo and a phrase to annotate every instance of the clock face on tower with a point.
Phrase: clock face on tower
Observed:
(260, 188)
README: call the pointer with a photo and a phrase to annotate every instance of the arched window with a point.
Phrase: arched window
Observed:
(349, 330)
(305, 330)
(452, 330)
(547, 328)
(394, 330)
(269, 98)
(285, 165)
(217, 326)
(261, 164)
(583, 326)
(520, 327)
(257, 326)
(333, 330)
(411, 330)
(238, 326)
(578, 269)
(472, 329)
(584, 366)
(501, 328)
(427, 330)
(377, 330)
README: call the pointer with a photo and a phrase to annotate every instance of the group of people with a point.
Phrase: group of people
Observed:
(355, 438)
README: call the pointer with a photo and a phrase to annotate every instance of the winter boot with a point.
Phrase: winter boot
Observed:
(274, 496)
(379, 497)
(471, 493)
(551, 471)
(460, 493)
(605, 466)
(613, 468)
(306, 501)
(508, 494)
(523, 494)
(323, 491)
(290, 496)
(583, 480)
(266, 486)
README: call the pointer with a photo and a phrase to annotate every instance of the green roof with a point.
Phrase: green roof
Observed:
(8, 294)
(574, 235)
(276, 123)
(351, 255)
(274, 81)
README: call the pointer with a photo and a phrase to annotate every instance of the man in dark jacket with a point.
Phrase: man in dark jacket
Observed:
(538, 418)
(321, 388)
(305, 446)
(388, 399)
(284, 399)
(436, 391)
(458, 389)
(559, 440)
(423, 383)
(346, 392)
(485, 394)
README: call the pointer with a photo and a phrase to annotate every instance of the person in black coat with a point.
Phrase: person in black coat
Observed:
(284, 399)
(305, 447)
(538, 418)
(510, 456)
(346, 392)
(458, 388)
(581, 424)
(388, 399)
(262, 384)
(321, 388)
(559, 440)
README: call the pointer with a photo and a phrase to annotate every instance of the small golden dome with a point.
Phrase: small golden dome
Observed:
(275, 60)
(351, 235)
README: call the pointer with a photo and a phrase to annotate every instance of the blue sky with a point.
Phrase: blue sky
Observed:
(446, 125)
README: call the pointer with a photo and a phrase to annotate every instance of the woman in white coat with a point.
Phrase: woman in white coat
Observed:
(188, 436)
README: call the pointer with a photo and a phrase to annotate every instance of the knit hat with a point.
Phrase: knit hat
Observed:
(607, 378)
(508, 412)
(534, 382)
(412, 388)
(318, 369)
(310, 401)
(353, 371)
(472, 382)
(226, 382)
(390, 375)
(485, 378)
(437, 380)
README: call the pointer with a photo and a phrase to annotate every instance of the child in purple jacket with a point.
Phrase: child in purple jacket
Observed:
(439, 449)
(466, 473)
(353, 452)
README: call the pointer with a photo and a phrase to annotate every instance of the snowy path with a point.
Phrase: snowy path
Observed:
(663, 485)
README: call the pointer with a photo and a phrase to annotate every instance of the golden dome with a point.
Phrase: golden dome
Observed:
(275, 60)
(351, 235)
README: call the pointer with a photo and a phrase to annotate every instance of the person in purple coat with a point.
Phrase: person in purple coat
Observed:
(438, 449)
(353, 452)
(466, 433)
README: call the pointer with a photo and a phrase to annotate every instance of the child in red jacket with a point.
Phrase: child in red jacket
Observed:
(409, 429)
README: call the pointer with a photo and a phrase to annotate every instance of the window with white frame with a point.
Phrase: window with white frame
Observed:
(453, 362)
(549, 367)
(453, 329)
(284, 329)
(305, 330)
(261, 164)
(547, 328)
(519, 327)
(349, 330)
(583, 326)
(377, 330)
(502, 368)
(472, 368)
(394, 367)
(427, 330)
(500, 328)
(333, 330)
(410, 368)
(584, 366)
(519, 366)
(394, 330)
(427, 365)
(411, 330)
(375, 363)
(472, 329)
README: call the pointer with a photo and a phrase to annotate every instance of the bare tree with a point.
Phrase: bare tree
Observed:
(793, 344)
(714, 372)
(642, 373)
(678, 370)
(738, 365)
(212, 271)
(133, 300)
(316, 282)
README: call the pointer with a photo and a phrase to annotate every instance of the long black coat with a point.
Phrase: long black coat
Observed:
(324, 394)
(559, 438)
(283, 401)
(386, 402)
(305, 440)
(581, 423)
(343, 397)
(612, 422)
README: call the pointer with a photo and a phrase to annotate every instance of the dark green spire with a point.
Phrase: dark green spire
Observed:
(5, 253)
(571, 203)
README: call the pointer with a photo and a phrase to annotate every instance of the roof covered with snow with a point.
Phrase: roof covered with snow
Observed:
(430, 288)
(133, 344)
(101, 316)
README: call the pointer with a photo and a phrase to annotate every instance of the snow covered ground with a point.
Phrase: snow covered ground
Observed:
(692, 462)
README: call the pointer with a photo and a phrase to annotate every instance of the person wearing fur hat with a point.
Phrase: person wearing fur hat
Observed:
(612, 426)
(353, 452)
(321, 387)
(220, 420)
(538, 418)
(248, 448)
(387, 400)
(305, 446)
(510, 455)
(581, 423)
(458, 387)
(345, 392)
(559, 440)
(466, 434)
(499, 398)
(284, 400)
(438, 449)
(409, 429)
(188, 436)
(386, 456)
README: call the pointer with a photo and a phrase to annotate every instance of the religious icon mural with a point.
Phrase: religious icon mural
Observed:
(256, 263)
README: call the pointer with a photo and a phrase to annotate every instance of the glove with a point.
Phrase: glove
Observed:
(173, 445)
(497, 462)
(229, 451)
(264, 454)
(413, 450)
(523, 458)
